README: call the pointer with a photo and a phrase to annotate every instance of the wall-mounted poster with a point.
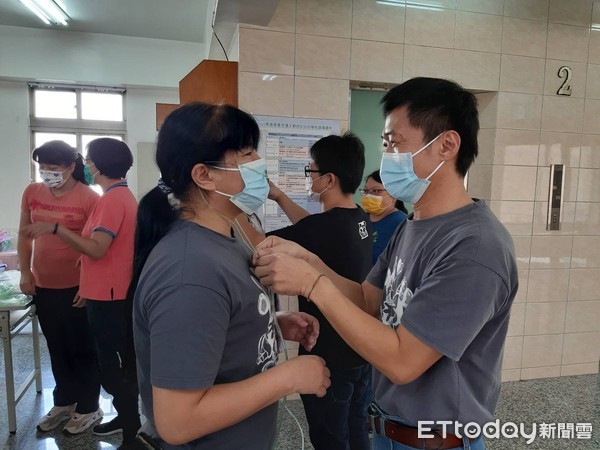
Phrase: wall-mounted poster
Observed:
(284, 144)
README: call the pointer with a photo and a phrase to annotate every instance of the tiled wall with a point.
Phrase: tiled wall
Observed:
(509, 51)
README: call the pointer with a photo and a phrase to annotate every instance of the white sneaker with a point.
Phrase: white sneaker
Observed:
(81, 422)
(56, 416)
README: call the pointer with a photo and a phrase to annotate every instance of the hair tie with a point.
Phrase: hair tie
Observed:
(163, 187)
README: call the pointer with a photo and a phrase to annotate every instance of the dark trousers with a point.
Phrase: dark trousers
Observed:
(339, 420)
(111, 327)
(72, 354)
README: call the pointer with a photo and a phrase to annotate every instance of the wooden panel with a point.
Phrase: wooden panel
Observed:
(162, 111)
(211, 82)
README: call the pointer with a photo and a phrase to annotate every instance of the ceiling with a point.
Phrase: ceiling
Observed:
(177, 20)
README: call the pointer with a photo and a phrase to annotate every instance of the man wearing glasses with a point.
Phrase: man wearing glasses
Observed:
(442, 290)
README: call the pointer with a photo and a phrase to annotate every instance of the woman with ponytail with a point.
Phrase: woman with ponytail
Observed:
(50, 273)
(205, 329)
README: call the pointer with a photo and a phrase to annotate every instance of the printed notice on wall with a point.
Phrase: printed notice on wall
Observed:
(285, 144)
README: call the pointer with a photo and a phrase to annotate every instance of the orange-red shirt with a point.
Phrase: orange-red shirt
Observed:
(108, 278)
(54, 262)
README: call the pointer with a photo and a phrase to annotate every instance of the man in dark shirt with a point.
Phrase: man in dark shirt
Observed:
(341, 236)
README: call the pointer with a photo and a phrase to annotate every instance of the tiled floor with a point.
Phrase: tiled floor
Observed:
(564, 400)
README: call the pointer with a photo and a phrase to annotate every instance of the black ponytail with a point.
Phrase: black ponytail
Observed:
(78, 173)
(155, 216)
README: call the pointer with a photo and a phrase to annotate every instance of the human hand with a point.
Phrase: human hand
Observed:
(274, 191)
(274, 244)
(299, 327)
(37, 229)
(285, 274)
(78, 301)
(308, 374)
(27, 283)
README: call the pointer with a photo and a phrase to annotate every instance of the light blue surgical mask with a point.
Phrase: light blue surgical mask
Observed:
(256, 186)
(399, 178)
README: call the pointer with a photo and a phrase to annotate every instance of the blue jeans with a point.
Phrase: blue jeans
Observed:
(339, 420)
(380, 442)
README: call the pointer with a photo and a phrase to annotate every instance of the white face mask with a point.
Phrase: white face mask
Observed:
(314, 196)
(53, 179)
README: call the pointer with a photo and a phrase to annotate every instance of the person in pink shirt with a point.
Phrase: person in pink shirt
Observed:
(106, 245)
(50, 273)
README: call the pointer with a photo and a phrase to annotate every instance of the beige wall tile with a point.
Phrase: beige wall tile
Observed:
(344, 125)
(320, 56)
(487, 105)
(266, 93)
(321, 98)
(540, 372)
(527, 9)
(592, 87)
(584, 284)
(522, 74)
(330, 18)
(480, 32)
(559, 148)
(578, 369)
(513, 183)
(587, 219)
(487, 145)
(523, 283)
(580, 348)
(545, 318)
(519, 111)
(567, 42)
(591, 116)
(583, 316)
(553, 82)
(522, 251)
(376, 61)
(551, 252)
(590, 151)
(430, 28)
(588, 189)
(513, 351)
(570, 187)
(586, 253)
(517, 217)
(477, 70)
(479, 181)
(524, 37)
(542, 351)
(427, 62)
(517, 147)
(511, 375)
(572, 12)
(540, 217)
(266, 51)
(594, 51)
(482, 6)
(372, 21)
(517, 320)
(550, 285)
(562, 114)
(284, 18)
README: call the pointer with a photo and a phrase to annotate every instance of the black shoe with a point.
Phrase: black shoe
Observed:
(108, 428)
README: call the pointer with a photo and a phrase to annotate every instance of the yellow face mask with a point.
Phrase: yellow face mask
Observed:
(373, 204)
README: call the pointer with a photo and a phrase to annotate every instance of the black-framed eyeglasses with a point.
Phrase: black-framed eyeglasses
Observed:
(308, 171)
(371, 191)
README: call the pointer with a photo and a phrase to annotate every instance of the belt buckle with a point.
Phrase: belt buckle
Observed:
(372, 418)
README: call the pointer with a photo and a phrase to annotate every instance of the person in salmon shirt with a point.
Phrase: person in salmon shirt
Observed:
(49, 272)
(106, 245)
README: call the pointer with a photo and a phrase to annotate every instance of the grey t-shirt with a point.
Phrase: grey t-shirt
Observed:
(450, 281)
(202, 318)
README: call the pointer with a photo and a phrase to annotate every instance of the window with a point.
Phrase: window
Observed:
(76, 115)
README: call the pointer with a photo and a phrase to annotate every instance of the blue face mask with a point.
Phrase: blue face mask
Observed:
(399, 178)
(89, 176)
(256, 186)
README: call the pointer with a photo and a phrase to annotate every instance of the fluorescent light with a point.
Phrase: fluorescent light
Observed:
(48, 11)
(410, 4)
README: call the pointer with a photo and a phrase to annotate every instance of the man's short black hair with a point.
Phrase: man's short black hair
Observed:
(111, 157)
(344, 156)
(436, 105)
